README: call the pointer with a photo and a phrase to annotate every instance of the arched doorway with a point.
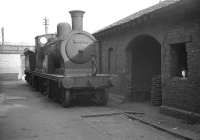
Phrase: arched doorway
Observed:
(144, 61)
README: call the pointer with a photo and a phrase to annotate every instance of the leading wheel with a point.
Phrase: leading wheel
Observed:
(66, 98)
(101, 97)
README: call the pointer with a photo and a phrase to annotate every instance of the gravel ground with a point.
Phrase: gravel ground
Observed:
(28, 115)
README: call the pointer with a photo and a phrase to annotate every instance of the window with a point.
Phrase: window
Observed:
(179, 60)
(110, 51)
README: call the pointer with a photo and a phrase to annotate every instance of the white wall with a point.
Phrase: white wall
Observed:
(10, 63)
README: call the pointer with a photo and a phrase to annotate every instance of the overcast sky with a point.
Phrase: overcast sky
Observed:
(23, 19)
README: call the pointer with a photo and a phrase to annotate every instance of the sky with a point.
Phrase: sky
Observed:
(23, 19)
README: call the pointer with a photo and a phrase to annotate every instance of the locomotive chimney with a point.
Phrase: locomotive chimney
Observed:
(77, 19)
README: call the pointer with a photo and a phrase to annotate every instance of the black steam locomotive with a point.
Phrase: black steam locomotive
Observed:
(63, 65)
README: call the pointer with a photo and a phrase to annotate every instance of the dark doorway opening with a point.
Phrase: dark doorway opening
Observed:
(145, 64)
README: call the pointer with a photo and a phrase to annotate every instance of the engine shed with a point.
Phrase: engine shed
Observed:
(156, 55)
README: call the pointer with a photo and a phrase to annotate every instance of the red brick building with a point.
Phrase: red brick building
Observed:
(156, 54)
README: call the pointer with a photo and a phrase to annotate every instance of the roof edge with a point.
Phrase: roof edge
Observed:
(138, 15)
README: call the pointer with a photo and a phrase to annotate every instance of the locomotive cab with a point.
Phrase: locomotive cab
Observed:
(40, 43)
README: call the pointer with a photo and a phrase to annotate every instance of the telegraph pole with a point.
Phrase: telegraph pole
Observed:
(46, 24)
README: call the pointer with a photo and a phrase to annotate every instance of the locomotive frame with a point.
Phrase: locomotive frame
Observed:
(64, 87)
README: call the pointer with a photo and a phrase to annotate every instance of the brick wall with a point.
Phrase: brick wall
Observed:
(167, 28)
(120, 42)
(179, 92)
(183, 94)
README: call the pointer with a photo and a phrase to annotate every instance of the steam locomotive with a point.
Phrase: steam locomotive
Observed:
(64, 65)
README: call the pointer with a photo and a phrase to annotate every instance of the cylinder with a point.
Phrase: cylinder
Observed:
(77, 19)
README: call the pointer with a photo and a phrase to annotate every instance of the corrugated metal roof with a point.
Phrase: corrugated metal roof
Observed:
(140, 13)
